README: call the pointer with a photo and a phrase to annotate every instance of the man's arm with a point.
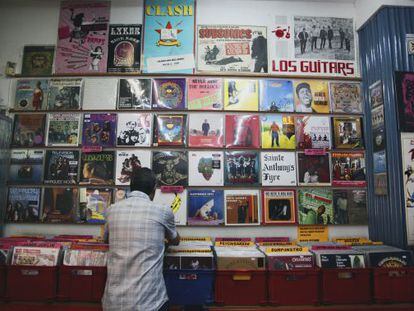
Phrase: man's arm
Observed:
(171, 234)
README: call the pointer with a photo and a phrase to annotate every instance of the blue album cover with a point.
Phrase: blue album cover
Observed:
(276, 95)
(205, 208)
(168, 45)
(380, 162)
(26, 166)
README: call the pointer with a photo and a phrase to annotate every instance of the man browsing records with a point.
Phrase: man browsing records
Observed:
(135, 230)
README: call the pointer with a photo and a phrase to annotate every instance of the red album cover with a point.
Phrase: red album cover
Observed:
(242, 131)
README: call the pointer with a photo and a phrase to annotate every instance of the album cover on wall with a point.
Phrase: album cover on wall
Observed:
(23, 204)
(65, 94)
(315, 206)
(134, 94)
(278, 168)
(127, 161)
(380, 162)
(134, 129)
(97, 168)
(26, 166)
(279, 206)
(99, 129)
(313, 132)
(404, 84)
(350, 207)
(242, 168)
(31, 94)
(169, 94)
(313, 170)
(205, 207)
(276, 95)
(29, 130)
(100, 94)
(348, 169)
(378, 128)
(205, 168)
(170, 130)
(204, 93)
(120, 194)
(241, 95)
(63, 129)
(381, 184)
(348, 133)
(242, 207)
(376, 96)
(345, 97)
(407, 149)
(205, 130)
(278, 131)
(242, 131)
(61, 167)
(60, 205)
(38, 60)
(93, 204)
(177, 202)
(170, 167)
(311, 96)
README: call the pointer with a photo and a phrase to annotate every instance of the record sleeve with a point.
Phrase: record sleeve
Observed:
(127, 161)
(380, 162)
(311, 96)
(278, 131)
(134, 129)
(278, 168)
(99, 129)
(63, 129)
(313, 170)
(100, 94)
(242, 131)
(38, 60)
(35, 256)
(348, 133)
(23, 204)
(404, 83)
(205, 207)
(124, 48)
(206, 130)
(61, 167)
(205, 168)
(120, 194)
(204, 93)
(26, 166)
(376, 96)
(85, 258)
(29, 130)
(242, 168)
(60, 205)
(65, 94)
(169, 94)
(241, 95)
(31, 94)
(279, 206)
(170, 130)
(378, 128)
(340, 259)
(134, 94)
(315, 206)
(350, 207)
(242, 207)
(177, 202)
(231, 48)
(93, 204)
(276, 95)
(345, 97)
(82, 43)
(170, 167)
(97, 168)
(313, 132)
(348, 169)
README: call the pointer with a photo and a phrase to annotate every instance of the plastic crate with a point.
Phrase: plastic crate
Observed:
(241, 288)
(2, 282)
(294, 287)
(346, 286)
(81, 283)
(190, 287)
(31, 283)
(393, 284)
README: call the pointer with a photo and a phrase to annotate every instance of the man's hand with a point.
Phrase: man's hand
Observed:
(174, 241)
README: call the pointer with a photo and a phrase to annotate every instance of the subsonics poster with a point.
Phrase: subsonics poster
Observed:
(169, 36)
(407, 145)
(313, 45)
(82, 45)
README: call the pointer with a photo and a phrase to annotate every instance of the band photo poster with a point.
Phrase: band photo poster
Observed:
(313, 45)
(407, 146)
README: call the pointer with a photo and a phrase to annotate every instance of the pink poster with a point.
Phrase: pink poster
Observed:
(82, 45)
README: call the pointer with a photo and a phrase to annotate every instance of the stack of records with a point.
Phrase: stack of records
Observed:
(86, 255)
(384, 256)
(338, 257)
(289, 258)
(37, 254)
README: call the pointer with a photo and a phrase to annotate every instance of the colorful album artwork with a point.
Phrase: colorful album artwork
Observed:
(134, 129)
(31, 94)
(29, 130)
(205, 207)
(350, 207)
(65, 94)
(278, 168)
(61, 167)
(63, 129)
(315, 206)
(26, 166)
(93, 204)
(134, 94)
(99, 129)
(348, 169)
(242, 168)
(279, 206)
(204, 93)
(276, 95)
(348, 133)
(23, 204)
(60, 205)
(313, 132)
(378, 128)
(345, 97)
(242, 131)
(37, 60)
(176, 201)
(376, 96)
(169, 94)
(313, 170)
(127, 161)
(242, 207)
(205, 168)
(170, 130)
(170, 167)
(241, 95)
(311, 96)
(404, 84)
(278, 131)
(97, 168)
(121, 194)
(206, 130)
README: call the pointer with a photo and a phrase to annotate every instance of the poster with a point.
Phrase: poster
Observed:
(376, 97)
(168, 45)
(278, 168)
(407, 146)
(313, 45)
(404, 84)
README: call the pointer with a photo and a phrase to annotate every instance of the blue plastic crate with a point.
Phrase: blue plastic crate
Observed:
(190, 287)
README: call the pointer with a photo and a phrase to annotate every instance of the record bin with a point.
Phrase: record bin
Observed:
(78, 283)
(346, 285)
(393, 284)
(2, 281)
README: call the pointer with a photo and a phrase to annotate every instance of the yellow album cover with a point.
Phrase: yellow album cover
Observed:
(311, 96)
(241, 95)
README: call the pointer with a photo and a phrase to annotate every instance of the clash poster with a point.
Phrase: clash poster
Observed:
(82, 45)
(404, 83)
(313, 45)
(169, 36)
(231, 48)
(407, 145)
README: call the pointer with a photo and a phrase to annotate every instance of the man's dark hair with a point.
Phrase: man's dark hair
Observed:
(302, 85)
(144, 180)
